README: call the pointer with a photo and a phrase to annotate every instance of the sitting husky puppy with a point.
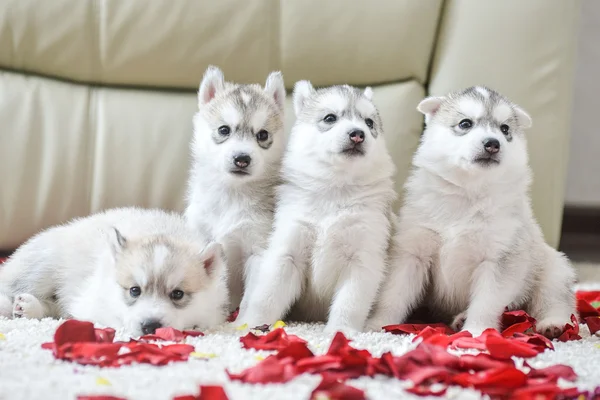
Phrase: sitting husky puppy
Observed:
(468, 242)
(237, 148)
(127, 267)
(332, 224)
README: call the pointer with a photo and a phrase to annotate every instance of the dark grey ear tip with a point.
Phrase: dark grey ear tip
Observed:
(120, 238)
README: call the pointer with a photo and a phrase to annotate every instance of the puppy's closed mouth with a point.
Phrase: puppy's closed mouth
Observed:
(486, 161)
(351, 151)
(239, 172)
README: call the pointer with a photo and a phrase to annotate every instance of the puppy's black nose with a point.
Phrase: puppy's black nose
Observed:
(492, 146)
(357, 136)
(150, 326)
(242, 160)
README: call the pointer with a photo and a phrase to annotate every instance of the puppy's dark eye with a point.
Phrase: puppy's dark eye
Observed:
(262, 135)
(176, 294)
(504, 128)
(369, 123)
(330, 118)
(224, 130)
(135, 291)
(465, 124)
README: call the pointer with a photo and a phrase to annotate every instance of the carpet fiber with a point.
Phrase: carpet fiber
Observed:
(29, 372)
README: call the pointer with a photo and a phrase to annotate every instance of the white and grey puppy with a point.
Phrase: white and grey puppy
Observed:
(237, 148)
(468, 243)
(332, 223)
(127, 267)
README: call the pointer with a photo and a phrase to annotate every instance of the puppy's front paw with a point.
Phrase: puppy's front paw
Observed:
(551, 327)
(336, 327)
(459, 322)
(474, 329)
(27, 306)
(375, 325)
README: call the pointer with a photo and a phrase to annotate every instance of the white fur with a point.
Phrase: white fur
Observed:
(236, 211)
(468, 244)
(71, 271)
(326, 256)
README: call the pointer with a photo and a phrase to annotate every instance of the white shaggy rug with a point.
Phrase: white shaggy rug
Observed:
(29, 372)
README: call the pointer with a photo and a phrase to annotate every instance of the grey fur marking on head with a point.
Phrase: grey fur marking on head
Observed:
(312, 110)
(446, 111)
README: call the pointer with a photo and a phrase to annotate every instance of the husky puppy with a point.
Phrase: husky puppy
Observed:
(237, 148)
(468, 243)
(126, 267)
(332, 223)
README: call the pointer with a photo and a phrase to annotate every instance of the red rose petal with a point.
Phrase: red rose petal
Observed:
(420, 390)
(495, 382)
(332, 389)
(585, 309)
(552, 373)
(482, 362)
(73, 331)
(547, 391)
(502, 348)
(593, 323)
(516, 321)
(206, 393)
(570, 331)
(165, 333)
(270, 370)
(277, 339)
(416, 328)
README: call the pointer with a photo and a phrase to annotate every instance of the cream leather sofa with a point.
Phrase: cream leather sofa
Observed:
(97, 96)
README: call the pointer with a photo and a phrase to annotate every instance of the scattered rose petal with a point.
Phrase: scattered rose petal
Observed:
(593, 323)
(552, 373)
(208, 392)
(516, 322)
(570, 331)
(277, 339)
(79, 342)
(417, 328)
(502, 348)
(332, 389)
(242, 327)
(192, 333)
(497, 381)
(197, 354)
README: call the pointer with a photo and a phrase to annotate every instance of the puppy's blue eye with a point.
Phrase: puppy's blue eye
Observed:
(330, 118)
(176, 294)
(465, 124)
(224, 130)
(135, 291)
(504, 128)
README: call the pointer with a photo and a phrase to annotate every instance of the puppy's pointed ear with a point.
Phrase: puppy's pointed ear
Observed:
(429, 106)
(213, 82)
(117, 240)
(212, 258)
(302, 91)
(276, 89)
(368, 93)
(523, 118)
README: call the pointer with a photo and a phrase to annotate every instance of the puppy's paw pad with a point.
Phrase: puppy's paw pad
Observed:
(551, 327)
(459, 322)
(27, 306)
